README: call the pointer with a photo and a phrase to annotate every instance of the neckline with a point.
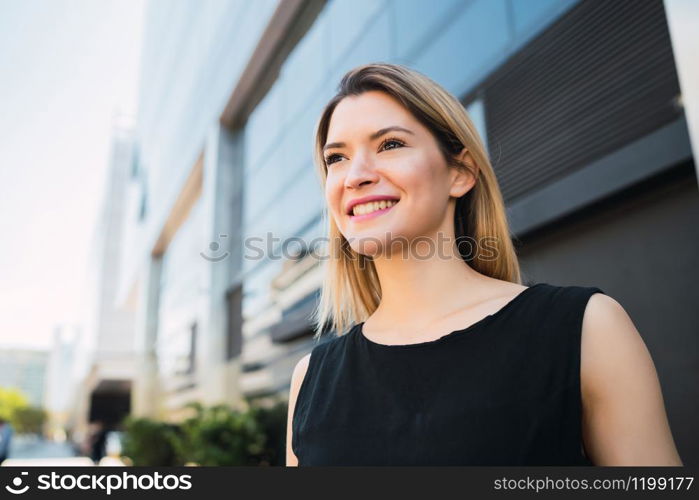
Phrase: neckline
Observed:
(451, 335)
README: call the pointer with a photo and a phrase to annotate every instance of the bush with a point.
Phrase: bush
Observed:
(149, 442)
(218, 435)
(213, 436)
(273, 424)
(29, 420)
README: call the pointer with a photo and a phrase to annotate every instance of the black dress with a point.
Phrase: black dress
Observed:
(503, 391)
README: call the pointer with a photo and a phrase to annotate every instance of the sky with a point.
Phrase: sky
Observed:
(67, 67)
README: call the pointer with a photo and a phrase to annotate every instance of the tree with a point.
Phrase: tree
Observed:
(10, 400)
(29, 420)
(15, 408)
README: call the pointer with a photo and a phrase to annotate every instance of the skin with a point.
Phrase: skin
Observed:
(624, 419)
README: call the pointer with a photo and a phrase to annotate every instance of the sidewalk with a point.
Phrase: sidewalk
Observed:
(28, 452)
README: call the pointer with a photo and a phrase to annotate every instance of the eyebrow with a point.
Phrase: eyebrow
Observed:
(372, 137)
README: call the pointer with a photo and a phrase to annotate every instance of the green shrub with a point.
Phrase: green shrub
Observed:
(219, 435)
(29, 420)
(149, 442)
(216, 435)
(272, 421)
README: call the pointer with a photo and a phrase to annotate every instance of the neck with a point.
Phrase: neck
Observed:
(424, 282)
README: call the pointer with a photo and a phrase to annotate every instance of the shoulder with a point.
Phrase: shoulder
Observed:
(572, 303)
(297, 378)
(610, 340)
(621, 394)
(300, 370)
(603, 309)
(606, 324)
(602, 333)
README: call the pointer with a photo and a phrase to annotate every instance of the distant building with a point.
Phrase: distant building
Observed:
(108, 345)
(61, 381)
(24, 369)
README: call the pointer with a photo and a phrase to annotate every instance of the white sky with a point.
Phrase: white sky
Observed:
(65, 67)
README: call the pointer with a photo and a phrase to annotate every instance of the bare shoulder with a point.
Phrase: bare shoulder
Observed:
(624, 419)
(300, 370)
(602, 310)
(297, 377)
(609, 339)
(608, 327)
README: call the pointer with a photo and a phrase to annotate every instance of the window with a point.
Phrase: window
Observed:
(476, 110)
(192, 357)
(234, 343)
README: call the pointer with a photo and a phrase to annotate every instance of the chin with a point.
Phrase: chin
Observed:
(375, 241)
(367, 245)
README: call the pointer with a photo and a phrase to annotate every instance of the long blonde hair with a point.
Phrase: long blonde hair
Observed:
(351, 290)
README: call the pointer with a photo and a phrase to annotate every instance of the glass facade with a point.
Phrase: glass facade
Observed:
(181, 289)
(282, 195)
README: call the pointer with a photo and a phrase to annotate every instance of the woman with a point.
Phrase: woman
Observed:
(446, 359)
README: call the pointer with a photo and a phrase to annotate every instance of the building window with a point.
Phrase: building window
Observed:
(143, 205)
(192, 348)
(476, 110)
(135, 167)
(234, 343)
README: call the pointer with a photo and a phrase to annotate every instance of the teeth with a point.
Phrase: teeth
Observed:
(372, 206)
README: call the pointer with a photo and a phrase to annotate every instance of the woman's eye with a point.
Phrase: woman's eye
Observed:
(387, 142)
(330, 159)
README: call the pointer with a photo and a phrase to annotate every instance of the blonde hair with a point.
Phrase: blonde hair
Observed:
(351, 290)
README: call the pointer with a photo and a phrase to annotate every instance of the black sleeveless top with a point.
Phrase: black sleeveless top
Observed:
(503, 391)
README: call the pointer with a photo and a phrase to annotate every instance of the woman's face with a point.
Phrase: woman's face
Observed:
(387, 177)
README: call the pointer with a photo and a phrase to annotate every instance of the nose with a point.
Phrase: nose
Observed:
(361, 171)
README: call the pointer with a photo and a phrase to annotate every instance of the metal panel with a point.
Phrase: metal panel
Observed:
(296, 320)
(600, 77)
(627, 166)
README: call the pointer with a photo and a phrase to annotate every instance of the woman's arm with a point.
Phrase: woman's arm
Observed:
(624, 419)
(296, 379)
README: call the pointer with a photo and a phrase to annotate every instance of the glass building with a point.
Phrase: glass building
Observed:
(580, 106)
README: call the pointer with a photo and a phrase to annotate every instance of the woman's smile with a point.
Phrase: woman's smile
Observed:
(371, 209)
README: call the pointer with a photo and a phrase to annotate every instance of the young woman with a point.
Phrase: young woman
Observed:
(445, 358)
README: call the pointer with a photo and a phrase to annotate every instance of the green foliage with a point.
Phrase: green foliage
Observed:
(149, 442)
(212, 436)
(218, 435)
(10, 400)
(15, 408)
(273, 423)
(29, 419)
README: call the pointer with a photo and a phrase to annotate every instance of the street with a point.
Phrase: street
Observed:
(32, 451)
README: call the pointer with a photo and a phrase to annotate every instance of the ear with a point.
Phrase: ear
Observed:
(463, 178)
